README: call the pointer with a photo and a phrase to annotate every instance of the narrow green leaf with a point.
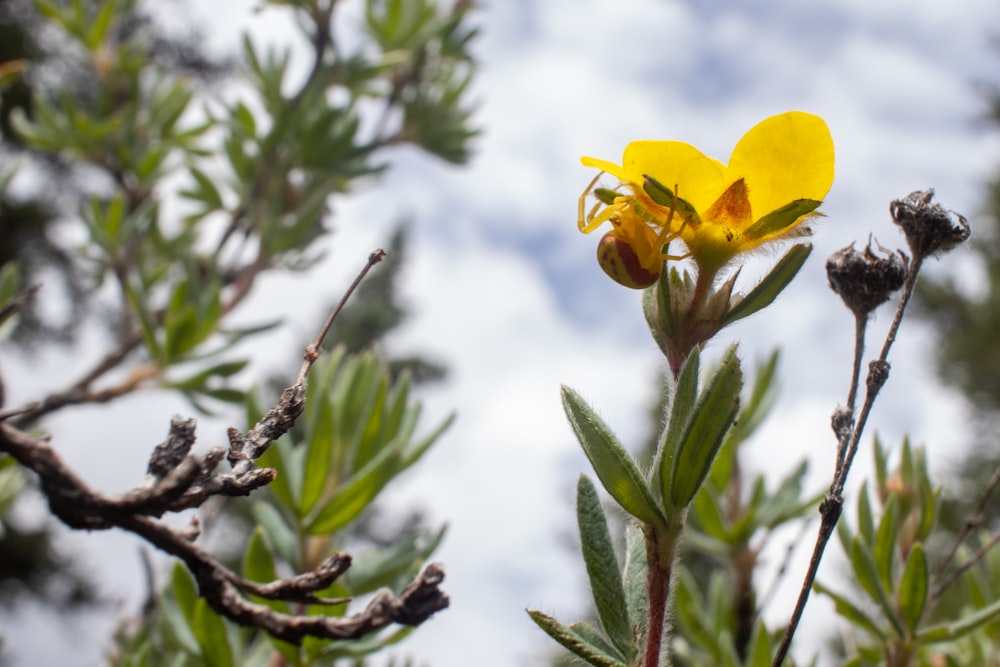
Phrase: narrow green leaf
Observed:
(210, 630)
(99, 24)
(573, 641)
(658, 312)
(866, 519)
(141, 312)
(636, 574)
(760, 647)
(781, 218)
(355, 494)
(185, 591)
(602, 567)
(592, 636)
(884, 548)
(279, 535)
(768, 289)
(381, 567)
(868, 576)
(913, 587)
(929, 499)
(176, 620)
(682, 404)
(319, 466)
(852, 612)
(963, 626)
(666, 197)
(417, 449)
(258, 565)
(614, 466)
(717, 407)
(707, 514)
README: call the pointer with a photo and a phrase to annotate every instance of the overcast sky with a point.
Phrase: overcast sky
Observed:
(507, 292)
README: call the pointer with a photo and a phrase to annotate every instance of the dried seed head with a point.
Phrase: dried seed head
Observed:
(864, 279)
(928, 228)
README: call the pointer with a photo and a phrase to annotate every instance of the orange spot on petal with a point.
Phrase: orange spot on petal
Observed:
(733, 206)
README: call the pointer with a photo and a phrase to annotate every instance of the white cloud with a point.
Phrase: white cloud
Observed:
(562, 79)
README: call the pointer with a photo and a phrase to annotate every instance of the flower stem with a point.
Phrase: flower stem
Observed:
(660, 563)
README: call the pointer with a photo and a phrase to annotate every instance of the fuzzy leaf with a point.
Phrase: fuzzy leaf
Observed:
(602, 567)
(717, 407)
(768, 289)
(913, 587)
(573, 641)
(614, 466)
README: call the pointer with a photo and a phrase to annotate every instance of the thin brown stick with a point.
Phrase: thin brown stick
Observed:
(178, 480)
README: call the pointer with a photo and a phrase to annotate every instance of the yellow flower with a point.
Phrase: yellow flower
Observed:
(777, 176)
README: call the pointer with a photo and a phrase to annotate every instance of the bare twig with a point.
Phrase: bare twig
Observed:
(178, 480)
(973, 520)
(929, 230)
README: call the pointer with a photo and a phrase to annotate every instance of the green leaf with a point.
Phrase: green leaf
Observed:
(851, 612)
(708, 515)
(185, 591)
(963, 626)
(664, 196)
(683, 399)
(884, 549)
(868, 576)
(381, 567)
(656, 307)
(210, 630)
(318, 466)
(866, 519)
(99, 24)
(573, 641)
(713, 415)
(781, 218)
(614, 467)
(602, 567)
(636, 574)
(760, 647)
(913, 587)
(768, 289)
(178, 609)
(279, 535)
(258, 565)
(355, 494)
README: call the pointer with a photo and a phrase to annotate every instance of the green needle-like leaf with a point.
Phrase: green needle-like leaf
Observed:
(782, 218)
(913, 587)
(768, 289)
(867, 574)
(851, 612)
(602, 567)
(614, 466)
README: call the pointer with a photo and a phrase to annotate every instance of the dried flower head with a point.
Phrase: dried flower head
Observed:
(865, 279)
(929, 228)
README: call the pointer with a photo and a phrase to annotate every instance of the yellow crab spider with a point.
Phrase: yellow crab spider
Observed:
(632, 253)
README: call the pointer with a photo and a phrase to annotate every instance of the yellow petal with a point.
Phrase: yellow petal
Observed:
(604, 165)
(700, 180)
(784, 158)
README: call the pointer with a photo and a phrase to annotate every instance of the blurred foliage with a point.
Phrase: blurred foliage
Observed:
(107, 119)
(357, 434)
(916, 605)
(965, 354)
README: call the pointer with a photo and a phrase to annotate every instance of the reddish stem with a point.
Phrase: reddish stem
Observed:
(658, 589)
